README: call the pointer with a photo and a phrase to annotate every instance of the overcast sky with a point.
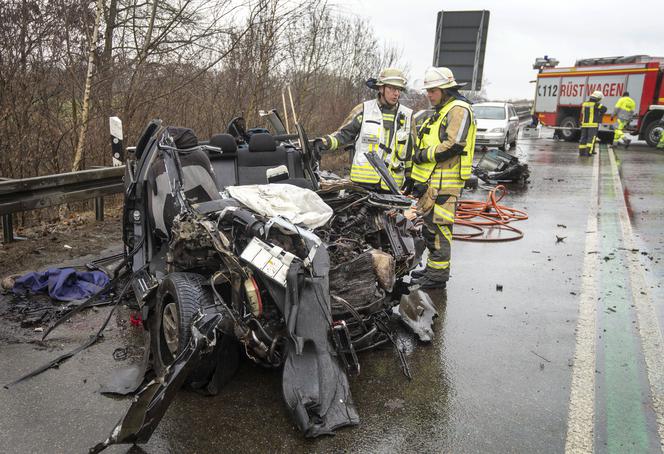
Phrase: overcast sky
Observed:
(519, 32)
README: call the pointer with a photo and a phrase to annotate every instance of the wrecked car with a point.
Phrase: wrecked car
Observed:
(240, 245)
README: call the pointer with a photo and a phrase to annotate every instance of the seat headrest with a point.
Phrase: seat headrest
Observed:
(224, 141)
(262, 142)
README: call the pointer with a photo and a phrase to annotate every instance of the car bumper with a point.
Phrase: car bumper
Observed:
(489, 139)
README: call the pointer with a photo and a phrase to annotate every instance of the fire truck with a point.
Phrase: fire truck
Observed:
(561, 90)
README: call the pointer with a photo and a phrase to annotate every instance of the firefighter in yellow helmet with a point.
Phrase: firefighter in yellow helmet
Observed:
(442, 161)
(623, 111)
(591, 117)
(381, 125)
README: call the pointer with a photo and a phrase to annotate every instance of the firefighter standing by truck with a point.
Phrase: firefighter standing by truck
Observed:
(381, 125)
(591, 116)
(442, 161)
(623, 111)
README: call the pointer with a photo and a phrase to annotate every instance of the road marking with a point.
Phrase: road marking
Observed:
(581, 415)
(649, 330)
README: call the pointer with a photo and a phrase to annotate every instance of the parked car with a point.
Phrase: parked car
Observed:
(497, 124)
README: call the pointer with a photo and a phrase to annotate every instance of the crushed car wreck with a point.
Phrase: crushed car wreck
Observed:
(225, 258)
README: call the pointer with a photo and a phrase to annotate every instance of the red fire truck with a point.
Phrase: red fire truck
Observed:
(561, 90)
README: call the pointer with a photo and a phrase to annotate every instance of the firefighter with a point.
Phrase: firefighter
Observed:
(591, 116)
(381, 125)
(442, 161)
(623, 111)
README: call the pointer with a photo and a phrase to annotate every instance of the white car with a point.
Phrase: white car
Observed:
(497, 124)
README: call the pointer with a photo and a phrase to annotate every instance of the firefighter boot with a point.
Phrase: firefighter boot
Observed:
(416, 274)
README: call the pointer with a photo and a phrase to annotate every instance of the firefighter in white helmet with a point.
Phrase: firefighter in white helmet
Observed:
(591, 117)
(442, 161)
(381, 125)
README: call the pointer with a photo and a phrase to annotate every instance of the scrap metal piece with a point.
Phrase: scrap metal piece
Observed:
(381, 168)
(151, 403)
(500, 167)
(417, 311)
(384, 266)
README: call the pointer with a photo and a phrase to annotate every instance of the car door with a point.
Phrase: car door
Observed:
(513, 121)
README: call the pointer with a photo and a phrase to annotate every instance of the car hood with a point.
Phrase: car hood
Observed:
(483, 123)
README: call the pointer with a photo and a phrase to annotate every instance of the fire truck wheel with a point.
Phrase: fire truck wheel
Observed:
(652, 133)
(569, 135)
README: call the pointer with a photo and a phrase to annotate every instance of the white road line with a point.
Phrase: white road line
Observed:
(581, 415)
(649, 330)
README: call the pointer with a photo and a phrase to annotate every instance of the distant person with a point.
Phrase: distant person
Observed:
(591, 117)
(381, 125)
(442, 161)
(534, 121)
(623, 111)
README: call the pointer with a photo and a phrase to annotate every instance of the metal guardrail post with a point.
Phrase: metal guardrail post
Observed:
(99, 208)
(7, 228)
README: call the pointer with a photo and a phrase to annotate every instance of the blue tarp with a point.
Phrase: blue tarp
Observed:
(63, 284)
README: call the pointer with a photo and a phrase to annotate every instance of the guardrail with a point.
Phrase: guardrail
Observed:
(51, 190)
(523, 110)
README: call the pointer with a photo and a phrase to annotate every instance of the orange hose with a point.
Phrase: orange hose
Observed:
(489, 213)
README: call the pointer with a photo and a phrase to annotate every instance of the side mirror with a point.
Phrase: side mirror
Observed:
(115, 125)
(515, 118)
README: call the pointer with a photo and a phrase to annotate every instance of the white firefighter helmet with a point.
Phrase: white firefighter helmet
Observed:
(440, 78)
(597, 95)
(393, 77)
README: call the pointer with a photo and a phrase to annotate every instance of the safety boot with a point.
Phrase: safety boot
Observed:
(416, 274)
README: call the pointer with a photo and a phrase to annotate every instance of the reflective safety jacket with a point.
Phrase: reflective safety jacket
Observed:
(434, 137)
(591, 114)
(391, 146)
(624, 108)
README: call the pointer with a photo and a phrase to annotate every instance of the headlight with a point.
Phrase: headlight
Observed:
(498, 130)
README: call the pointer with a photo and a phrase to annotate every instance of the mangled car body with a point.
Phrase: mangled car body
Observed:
(239, 246)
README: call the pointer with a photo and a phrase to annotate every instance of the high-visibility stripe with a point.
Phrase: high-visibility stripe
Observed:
(438, 265)
(443, 213)
(591, 73)
(660, 99)
(445, 231)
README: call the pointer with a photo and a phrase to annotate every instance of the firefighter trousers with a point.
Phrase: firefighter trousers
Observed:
(619, 134)
(587, 141)
(438, 238)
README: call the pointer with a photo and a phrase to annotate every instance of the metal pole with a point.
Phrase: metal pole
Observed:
(99, 208)
(476, 62)
(7, 228)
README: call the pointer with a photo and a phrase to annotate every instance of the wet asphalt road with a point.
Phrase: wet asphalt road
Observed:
(496, 378)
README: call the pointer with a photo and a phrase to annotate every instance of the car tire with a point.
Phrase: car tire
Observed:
(506, 143)
(513, 142)
(566, 134)
(179, 298)
(652, 133)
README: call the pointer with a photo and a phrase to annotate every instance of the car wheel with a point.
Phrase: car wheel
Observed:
(505, 144)
(653, 132)
(513, 142)
(567, 134)
(179, 298)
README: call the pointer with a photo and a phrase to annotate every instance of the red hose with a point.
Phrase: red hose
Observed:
(487, 216)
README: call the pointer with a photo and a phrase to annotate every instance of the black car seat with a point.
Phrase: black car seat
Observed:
(224, 163)
(261, 155)
(199, 185)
